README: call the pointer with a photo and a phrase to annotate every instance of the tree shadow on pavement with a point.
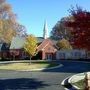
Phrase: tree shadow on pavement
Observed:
(70, 67)
(21, 84)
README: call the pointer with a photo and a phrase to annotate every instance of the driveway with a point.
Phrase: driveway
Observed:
(45, 80)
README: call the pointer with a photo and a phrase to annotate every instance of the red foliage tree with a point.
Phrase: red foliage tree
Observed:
(80, 28)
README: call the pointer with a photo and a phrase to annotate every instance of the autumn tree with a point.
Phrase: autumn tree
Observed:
(64, 45)
(80, 28)
(6, 31)
(59, 31)
(20, 29)
(9, 26)
(7, 19)
(30, 45)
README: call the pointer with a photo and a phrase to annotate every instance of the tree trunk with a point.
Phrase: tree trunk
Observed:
(13, 57)
(30, 60)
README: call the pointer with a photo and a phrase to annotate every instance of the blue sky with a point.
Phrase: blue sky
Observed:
(33, 13)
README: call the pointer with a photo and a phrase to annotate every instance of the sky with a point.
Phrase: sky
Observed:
(33, 13)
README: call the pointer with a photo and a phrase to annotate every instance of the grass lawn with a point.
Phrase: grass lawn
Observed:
(80, 84)
(27, 66)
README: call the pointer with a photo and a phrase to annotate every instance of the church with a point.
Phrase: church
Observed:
(46, 49)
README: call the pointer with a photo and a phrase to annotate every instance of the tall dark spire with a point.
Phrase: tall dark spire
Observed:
(45, 31)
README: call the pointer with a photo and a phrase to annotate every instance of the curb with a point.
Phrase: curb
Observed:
(67, 81)
(70, 86)
(74, 76)
(64, 83)
(41, 69)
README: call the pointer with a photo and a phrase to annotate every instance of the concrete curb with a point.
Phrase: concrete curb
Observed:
(62, 83)
(38, 69)
(76, 78)
(71, 87)
(41, 69)
(5, 62)
(70, 80)
(65, 82)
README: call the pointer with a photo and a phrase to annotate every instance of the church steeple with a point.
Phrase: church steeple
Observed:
(45, 31)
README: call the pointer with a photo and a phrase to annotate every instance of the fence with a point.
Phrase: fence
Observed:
(71, 54)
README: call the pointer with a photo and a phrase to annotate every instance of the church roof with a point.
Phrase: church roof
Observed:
(17, 42)
(40, 39)
(44, 44)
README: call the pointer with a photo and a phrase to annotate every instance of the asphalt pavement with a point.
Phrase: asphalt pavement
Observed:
(41, 80)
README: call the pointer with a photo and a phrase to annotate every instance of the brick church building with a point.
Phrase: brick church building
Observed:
(46, 49)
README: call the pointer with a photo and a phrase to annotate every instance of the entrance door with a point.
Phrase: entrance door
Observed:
(49, 56)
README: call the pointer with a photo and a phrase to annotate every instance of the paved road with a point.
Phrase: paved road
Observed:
(45, 80)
